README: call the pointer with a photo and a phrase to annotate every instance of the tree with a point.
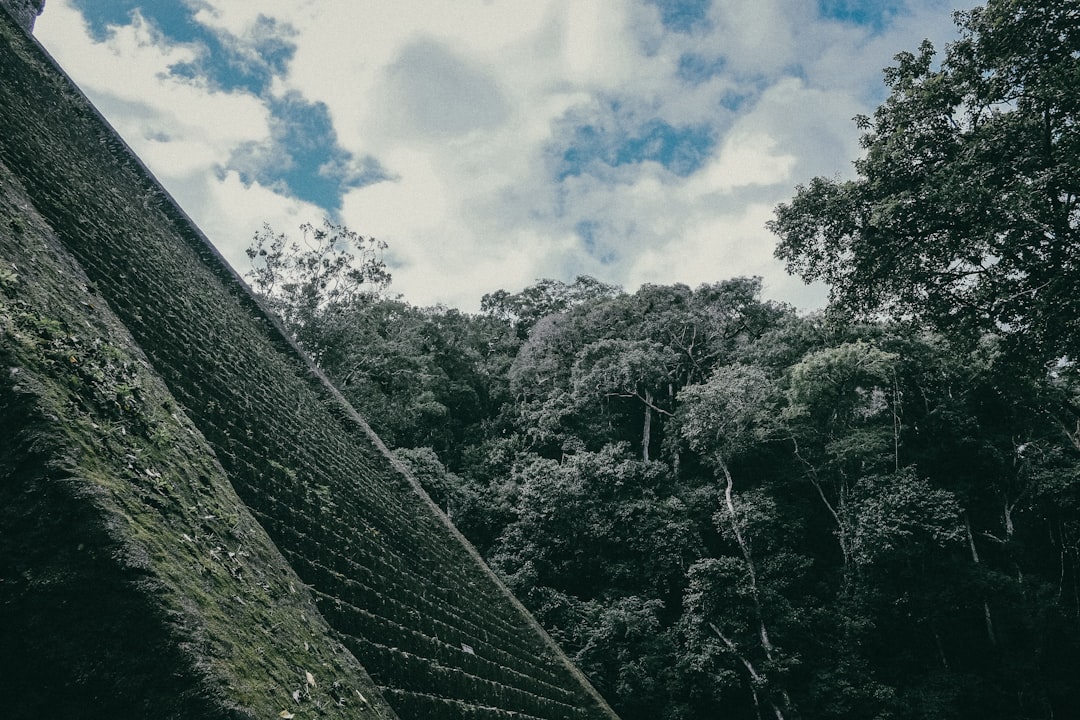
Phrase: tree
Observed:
(964, 212)
(722, 418)
(457, 497)
(592, 371)
(330, 269)
(625, 369)
(547, 297)
(598, 550)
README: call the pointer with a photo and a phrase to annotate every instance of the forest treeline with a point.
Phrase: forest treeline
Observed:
(723, 508)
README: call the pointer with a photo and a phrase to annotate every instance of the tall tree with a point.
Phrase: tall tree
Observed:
(329, 268)
(721, 418)
(964, 212)
(626, 369)
(546, 297)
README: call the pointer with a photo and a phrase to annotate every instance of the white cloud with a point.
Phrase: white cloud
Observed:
(462, 101)
(757, 39)
(431, 93)
(747, 157)
(127, 77)
(182, 130)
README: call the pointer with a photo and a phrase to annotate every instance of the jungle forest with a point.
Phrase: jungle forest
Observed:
(721, 507)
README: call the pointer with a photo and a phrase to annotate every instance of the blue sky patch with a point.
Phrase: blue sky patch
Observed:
(224, 63)
(615, 141)
(680, 150)
(173, 17)
(251, 64)
(303, 158)
(230, 66)
(683, 16)
(589, 231)
(734, 101)
(696, 68)
(877, 14)
(586, 230)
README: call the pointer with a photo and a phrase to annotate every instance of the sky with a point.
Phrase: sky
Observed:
(492, 143)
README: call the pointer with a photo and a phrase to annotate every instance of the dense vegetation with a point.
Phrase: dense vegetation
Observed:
(721, 507)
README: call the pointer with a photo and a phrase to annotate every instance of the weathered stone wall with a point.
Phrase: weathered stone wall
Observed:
(401, 589)
(25, 12)
(133, 581)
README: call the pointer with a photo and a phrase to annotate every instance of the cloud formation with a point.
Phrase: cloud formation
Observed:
(492, 143)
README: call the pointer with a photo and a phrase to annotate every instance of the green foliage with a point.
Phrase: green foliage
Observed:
(330, 267)
(722, 508)
(595, 523)
(8, 278)
(735, 408)
(547, 297)
(848, 381)
(460, 499)
(964, 213)
(900, 516)
(622, 368)
(801, 539)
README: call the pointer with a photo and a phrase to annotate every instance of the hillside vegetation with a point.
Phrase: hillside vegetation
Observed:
(721, 507)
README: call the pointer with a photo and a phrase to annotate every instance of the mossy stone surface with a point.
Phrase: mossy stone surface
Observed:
(133, 580)
(397, 585)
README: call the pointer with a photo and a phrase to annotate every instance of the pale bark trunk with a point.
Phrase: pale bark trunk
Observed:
(744, 546)
(896, 423)
(988, 618)
(841, 534)
(755, 677)
(646, 435)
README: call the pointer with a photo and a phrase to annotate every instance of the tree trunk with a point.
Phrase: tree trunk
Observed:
(744, 547)
(986, 603)
(755, 677)
(751, 571)
(841, 527)
(646, 434)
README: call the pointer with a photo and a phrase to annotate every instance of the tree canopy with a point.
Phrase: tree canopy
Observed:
(720, 507)
(964, 211)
